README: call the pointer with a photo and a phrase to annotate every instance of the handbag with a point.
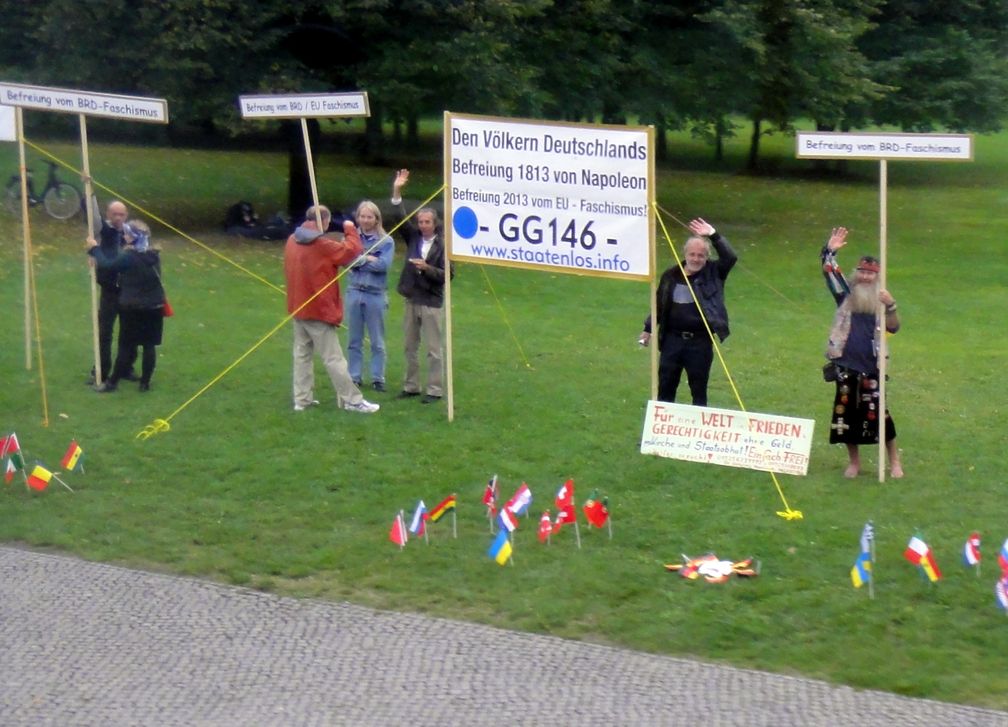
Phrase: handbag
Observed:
(829, 371)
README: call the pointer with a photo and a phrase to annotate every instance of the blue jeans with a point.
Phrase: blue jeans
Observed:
(366, 308)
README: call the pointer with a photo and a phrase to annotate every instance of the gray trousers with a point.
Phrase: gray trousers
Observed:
(422, 321)
(317, 336)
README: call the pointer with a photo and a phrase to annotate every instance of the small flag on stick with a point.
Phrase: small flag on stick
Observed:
(397, 533)
(566, 513)
(490, 498)
(520, 501)
(971, 552)
(500, 548)
(1003, 557)
(72, 458)
(919, 553)
(1001, 593)
(864, 566)
(419, 521)
(446, 505)
(545, 527)
(39, 478)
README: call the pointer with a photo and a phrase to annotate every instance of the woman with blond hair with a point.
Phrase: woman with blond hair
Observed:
(367, 295)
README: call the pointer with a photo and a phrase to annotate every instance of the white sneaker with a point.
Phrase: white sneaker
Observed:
(364, 407)
(302, 407)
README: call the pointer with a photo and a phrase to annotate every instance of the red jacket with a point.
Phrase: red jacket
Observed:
(310, 263)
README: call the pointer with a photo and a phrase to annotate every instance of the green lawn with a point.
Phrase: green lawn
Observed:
(244, 491)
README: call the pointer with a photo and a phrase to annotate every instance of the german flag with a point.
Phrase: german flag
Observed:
(444, 506)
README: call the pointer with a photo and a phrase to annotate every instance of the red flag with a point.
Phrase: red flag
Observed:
(545, 526)
(565, 504)
(490, 496)
(596, 511)
(397, 533)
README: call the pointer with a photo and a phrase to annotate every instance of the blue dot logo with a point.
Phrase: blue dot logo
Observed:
(464, 222)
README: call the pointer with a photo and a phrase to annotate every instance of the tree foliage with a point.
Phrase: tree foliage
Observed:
(702, 64)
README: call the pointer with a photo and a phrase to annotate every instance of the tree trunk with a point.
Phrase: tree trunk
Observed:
(299, 194)
(661, 138)
(373, 142)
(753, 162)
(412, 132)
(719, 129)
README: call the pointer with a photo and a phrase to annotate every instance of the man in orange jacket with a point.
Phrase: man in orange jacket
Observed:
(311, 265)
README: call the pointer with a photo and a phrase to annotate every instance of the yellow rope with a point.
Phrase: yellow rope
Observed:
(135, 205)
(162, 425)
(507, 323)
(787, 513)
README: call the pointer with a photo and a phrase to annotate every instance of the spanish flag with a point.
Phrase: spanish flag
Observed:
(444, 506)
(72, 456)
(39, 478)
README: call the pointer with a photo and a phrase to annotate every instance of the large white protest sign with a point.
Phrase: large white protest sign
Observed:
(732, 438)
(573, 198)
(304, 105)
(828, 145)
(7, 130)
(131, 108)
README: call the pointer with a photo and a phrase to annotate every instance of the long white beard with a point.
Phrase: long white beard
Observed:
(864, 297)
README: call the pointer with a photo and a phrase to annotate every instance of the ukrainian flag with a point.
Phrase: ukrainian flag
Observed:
(500, 548)
(861, 572)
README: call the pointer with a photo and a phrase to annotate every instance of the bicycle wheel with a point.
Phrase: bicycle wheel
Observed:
(62, 201)
(12, 198)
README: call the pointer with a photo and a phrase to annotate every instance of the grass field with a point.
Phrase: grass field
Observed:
(244, 491)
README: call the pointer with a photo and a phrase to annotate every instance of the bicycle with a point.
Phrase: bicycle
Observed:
(61, 200)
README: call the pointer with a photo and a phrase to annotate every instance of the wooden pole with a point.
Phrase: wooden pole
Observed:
(89, 208)
(449, 368)
(311, 173)
(25, 235)
(883, 222)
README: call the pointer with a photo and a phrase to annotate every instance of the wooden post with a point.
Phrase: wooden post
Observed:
(25, 235)
(883, 187)
(88, 192)
(311, 173)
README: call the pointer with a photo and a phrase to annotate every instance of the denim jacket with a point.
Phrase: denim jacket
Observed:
(372, 275)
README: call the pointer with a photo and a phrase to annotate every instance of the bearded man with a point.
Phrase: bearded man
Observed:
(853, 348)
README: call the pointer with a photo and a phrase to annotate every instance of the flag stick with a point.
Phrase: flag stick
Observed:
(609, 523)
(871, 577)
(454, 526)
(92, 270)
(577, 532)
(311, 173)
(56, 477)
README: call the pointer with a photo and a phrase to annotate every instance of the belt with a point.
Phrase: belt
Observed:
(687, 335)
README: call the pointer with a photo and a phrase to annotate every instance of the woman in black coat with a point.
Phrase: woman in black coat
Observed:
(141, 303)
